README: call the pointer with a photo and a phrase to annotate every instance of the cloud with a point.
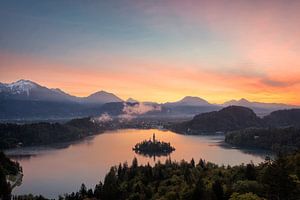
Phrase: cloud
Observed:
(139, 108)
(275, 83)
(131, 111)
(105, 117)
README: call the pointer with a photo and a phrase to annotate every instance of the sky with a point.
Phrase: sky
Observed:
(159, 50)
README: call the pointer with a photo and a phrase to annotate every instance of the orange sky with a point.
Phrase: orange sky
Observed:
(217, 50)
(157, 82)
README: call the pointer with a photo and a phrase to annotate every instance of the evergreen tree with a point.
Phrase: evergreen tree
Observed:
(111, 188)
(5, 189)
(250, 172)
(218, 190)
(83, 190)
(199, 191)
(98, 191)
(279, 183)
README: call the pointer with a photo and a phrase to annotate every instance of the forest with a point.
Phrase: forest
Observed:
(44, 133)
(273, 179)
(285, 139)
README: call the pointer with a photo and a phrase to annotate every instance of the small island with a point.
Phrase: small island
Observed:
(153, 148)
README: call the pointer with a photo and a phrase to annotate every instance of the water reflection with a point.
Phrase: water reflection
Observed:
(52, 171)
(153, 148)
(153, 155)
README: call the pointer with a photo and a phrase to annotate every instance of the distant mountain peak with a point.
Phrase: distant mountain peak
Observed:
(243, 100)
(131, 100)
(189, 101)
(192, 100)
(22, 82)
(102, 97)
(260, 108)
(20, 86)
(101, 92)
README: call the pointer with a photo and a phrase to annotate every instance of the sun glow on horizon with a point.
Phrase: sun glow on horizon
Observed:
(163, 51)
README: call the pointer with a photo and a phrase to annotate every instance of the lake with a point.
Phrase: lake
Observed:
(54, 171)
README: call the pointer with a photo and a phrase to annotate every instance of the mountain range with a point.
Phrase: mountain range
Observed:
(259, 108)
(31, 91)
(25, 99)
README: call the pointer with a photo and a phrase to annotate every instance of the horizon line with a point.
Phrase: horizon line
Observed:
(106, 91)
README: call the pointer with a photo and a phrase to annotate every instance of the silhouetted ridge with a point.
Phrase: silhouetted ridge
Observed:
(283, 118)
(229, 118)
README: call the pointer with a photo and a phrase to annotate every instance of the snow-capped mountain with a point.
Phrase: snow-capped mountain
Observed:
(18, 87)
(31, 91)
(25, 99)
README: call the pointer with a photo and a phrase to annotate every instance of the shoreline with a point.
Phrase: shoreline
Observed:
(31, 151)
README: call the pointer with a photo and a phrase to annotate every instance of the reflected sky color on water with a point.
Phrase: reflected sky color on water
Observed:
(51, 172)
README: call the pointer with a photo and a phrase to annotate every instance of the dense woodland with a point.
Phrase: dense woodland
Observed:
(285, 139)
(7, 167)
(280, 118)
(14, 135)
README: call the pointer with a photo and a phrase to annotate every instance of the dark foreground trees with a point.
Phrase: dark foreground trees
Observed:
(273, 180)
(7, 168)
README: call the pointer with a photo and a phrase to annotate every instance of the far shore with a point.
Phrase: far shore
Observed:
(31, 151)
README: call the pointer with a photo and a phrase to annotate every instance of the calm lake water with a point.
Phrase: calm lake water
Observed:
(51, 172)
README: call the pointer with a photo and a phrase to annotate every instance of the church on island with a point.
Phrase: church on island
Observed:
(153, 147)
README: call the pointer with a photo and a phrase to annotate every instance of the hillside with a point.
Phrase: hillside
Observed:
(227, 119)
(283, 118)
